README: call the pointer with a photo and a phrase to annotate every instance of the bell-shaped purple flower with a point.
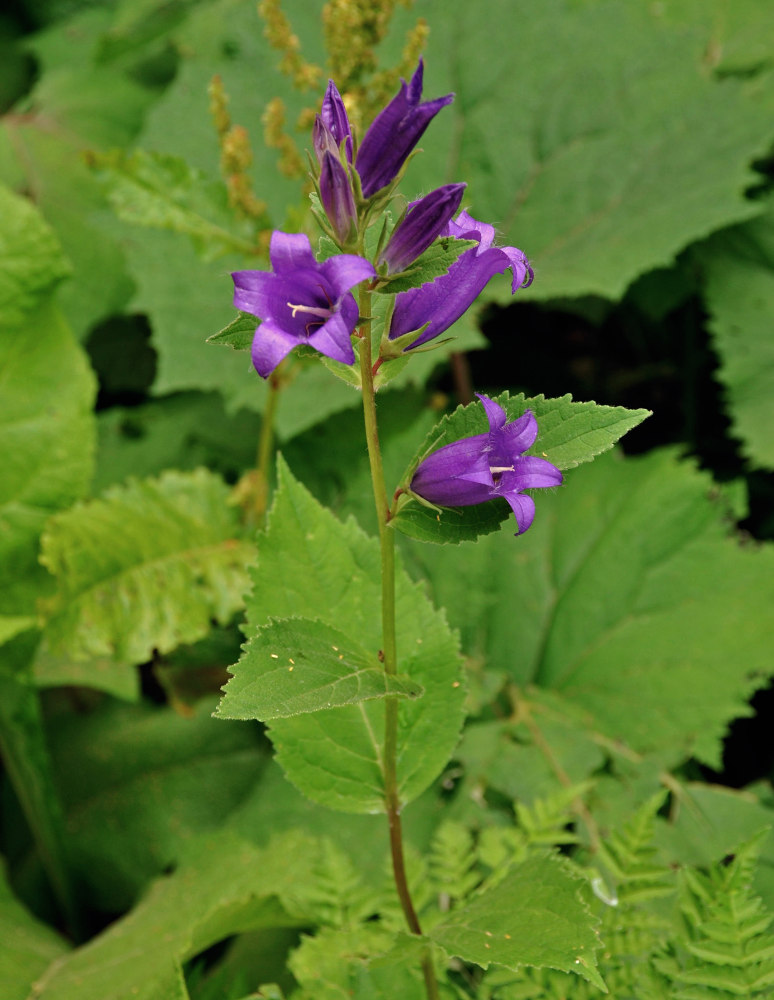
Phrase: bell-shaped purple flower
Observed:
(333, 116)
(394, 133)
(337, 198)
(425, 220)
(301, 302)
(443, 301)
(486, 466)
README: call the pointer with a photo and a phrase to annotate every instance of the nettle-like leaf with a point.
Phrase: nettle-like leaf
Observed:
(433, 263)
(313, 565)
(738, 267)
(296, 665)
(146, 567)
(625, 596)
(238, 334)
(29, 946)
(569, 434)
(535, 916)
(161, 191)
(595, 191)
(224, 886)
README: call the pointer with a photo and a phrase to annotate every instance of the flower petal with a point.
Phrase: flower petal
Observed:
(394, 133)
(334, 117)
(423, 222)
(290, 251)
(519, 434)
(495, 414)
(344, 271)
(529, 473)
(524, 509)
(333, 338)
(270, 345)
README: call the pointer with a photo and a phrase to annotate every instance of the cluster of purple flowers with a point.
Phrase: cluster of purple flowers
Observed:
(303, 301)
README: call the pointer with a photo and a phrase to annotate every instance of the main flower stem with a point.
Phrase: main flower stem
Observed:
(389, 647)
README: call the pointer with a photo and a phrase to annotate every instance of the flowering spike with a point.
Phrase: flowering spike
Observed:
(486, 466)
(444, 300)
(394, 133)
(337, 198)
(301, 302)
(424, 221)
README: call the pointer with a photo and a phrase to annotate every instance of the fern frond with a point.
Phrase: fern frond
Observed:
(725, 948)
(546, 821)
(453, 864)
(334, 895)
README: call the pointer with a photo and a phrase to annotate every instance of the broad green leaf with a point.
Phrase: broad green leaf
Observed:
(154, 779)
(238, 334)
(46, 449)
(295, 666)
(31, 259)
(182, 431)
(738, 267)
(146, 567)
(161, 191)
(82, 103)
(569, 434)
(535, 917)
(29, 946)
(596, 190)
(434, 262)
(27, 763)
(728, 39)
(625, 596)
(313, 565)
(223, 887)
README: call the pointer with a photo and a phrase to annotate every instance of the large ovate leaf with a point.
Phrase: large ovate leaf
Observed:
(738, 267)
(628, 590)
(148, 566)
(534, 916)
(295, 666)
(313, 565)
(223, 887)
(569, 434)
(29, 946)
(601, 182)
(154, 778)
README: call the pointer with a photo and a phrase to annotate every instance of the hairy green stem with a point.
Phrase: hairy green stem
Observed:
(389, 648)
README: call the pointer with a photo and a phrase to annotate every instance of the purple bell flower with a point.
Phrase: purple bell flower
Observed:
(337, 198)
(486, 466)
(444, 300)
(394, 133)
(425, 220)
(333, 116)
(301, 302)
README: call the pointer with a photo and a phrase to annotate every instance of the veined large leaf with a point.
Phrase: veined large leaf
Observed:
(313, 565)
(581, 129)
(738, 269)
(148, 566)
(629, 596)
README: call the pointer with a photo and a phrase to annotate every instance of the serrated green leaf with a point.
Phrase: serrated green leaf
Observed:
(29, 946)
(238, 334)
(46, 450)
(594, 190)
(31, 260)
(434, 262)
(147, 567)
(627, 590)
(569, 434)
(152, 777)
(535, 917)
(739, 288)
(296, 665)
(235, 888)
(161, 191)
(313, 565)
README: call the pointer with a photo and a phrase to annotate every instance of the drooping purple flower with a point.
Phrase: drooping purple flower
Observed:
(444, 300)
(337, 198)
(485, 466)
(300, 301)
(333, 115)
(425, 220)
(394, 133)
